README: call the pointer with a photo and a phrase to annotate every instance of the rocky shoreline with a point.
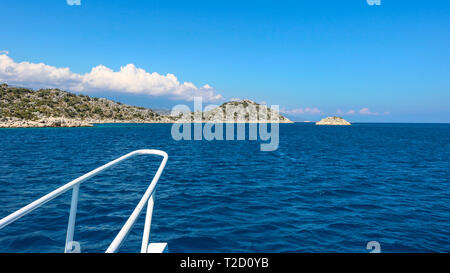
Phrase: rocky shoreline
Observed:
(63, 122)
(73, 123)
(42, 123)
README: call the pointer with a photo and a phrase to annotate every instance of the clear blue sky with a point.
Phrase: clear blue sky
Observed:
(345, 55)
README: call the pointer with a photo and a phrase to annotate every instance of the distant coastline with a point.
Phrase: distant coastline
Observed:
(26, 108)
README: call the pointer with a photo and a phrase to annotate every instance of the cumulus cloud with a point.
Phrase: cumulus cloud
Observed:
(366, 111)
(362, 111)
(349, 112)
(129, 79)
(301, 111)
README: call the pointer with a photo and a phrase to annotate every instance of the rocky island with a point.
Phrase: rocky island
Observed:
(241, 111)
(333, 121)
(24, 108)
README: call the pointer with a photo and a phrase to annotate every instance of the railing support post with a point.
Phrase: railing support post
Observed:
(148, 223)
(72, 217)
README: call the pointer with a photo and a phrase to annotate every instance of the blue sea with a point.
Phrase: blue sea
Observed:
(326, 189)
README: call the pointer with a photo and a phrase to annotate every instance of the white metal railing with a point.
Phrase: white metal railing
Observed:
(147, 198)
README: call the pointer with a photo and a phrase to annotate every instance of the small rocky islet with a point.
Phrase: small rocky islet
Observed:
(333, 121)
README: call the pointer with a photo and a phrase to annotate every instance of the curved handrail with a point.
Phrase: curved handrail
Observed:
(74, 184)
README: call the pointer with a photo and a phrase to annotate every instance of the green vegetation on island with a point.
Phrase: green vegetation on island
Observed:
(27, 104)
(23, 107)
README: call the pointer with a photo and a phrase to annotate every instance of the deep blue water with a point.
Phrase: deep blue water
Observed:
(326, 189)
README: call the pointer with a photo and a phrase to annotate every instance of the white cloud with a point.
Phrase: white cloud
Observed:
(4, 52)
(362, 111)
(366, 111)
(349, 112)
(301, 111)
(129, 79)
